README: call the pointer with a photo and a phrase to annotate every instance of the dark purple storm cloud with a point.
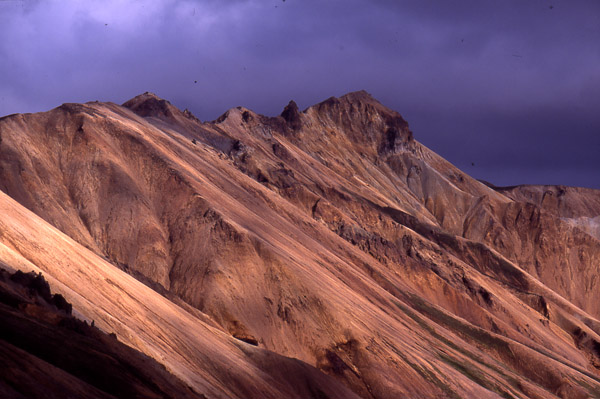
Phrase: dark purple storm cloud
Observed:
(509, 91)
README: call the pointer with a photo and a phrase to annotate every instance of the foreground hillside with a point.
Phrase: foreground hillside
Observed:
(322, 253)
(48, 353)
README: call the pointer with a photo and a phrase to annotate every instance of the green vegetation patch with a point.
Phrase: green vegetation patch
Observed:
(474, 375)
(424, 372)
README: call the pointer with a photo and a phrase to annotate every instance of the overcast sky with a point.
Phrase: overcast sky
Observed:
(509, 91)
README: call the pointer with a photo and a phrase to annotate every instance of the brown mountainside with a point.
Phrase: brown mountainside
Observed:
(306, 255)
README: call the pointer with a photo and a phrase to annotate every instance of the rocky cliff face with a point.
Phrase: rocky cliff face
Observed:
(327, 235)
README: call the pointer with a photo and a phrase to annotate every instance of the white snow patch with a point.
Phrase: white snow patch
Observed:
(590, 225)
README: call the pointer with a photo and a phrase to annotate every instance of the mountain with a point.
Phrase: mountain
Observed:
(322, 253)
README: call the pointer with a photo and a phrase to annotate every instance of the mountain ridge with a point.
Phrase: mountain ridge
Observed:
(328, 235)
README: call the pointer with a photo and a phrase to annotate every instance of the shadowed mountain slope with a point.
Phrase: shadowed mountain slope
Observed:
(327, 235)
(48, 353)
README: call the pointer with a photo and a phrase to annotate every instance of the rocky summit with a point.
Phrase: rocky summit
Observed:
(322, 253)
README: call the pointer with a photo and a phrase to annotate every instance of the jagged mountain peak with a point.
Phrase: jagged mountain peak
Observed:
(238, 115)
(362, 119)
(356, 99)
(357, 106)
(142, 98)
(146, 96)
(291, 115)
(359, 96)
(150, 105)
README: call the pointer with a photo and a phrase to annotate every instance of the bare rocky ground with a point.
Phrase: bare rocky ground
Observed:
(322, 253)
